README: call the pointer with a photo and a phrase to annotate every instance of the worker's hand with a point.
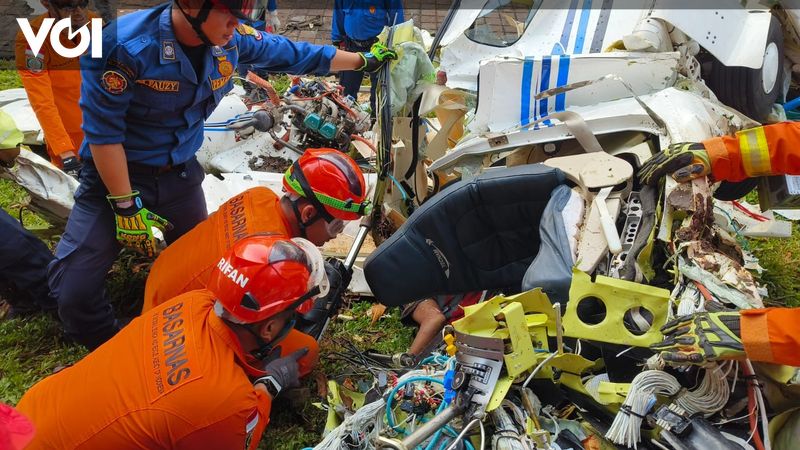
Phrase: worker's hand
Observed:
(71, 165)
(701, 337)
(377, 56)
(339, 44)
(339, 276)
(135, 223)
(685, 162)
(273, 21)
(285, 371)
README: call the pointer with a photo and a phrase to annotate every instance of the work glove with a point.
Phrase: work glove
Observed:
(684, 161)
(339, 275)
(282, 373)
(273, 21)
(135, 223)
(377, 56)
(71, 166)
(701, 337)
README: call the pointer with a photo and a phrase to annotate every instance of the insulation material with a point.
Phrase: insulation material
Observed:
(733, 219)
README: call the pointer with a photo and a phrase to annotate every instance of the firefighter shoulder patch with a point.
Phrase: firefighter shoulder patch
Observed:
(114, 82)
(160, 85)
(247, 30)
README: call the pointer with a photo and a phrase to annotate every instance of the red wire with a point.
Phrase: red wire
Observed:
(755, 216)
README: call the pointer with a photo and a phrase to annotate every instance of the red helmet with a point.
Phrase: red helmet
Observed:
(335, 180)
(263, 275)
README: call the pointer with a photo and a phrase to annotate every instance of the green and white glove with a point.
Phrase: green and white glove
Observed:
(701, 337)
(135, 223)
(684, 162)
(377, 56)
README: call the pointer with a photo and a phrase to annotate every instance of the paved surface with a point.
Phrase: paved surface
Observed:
(426, 13)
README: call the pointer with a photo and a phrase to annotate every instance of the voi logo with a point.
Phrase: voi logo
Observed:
(89, 32)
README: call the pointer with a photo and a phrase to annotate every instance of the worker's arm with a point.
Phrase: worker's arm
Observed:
(106, 93)
(772, 335)
(113, 167)
(35, 77)
(279, 54)
(767, 150)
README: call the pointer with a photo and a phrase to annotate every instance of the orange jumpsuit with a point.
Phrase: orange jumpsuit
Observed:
(174, 378)
(768, 150)
(187, 263)
(53, 85)
(771, 335)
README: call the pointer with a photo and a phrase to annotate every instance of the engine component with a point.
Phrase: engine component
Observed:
(322, 117)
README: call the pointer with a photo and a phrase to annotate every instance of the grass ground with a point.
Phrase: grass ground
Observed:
(33, 348)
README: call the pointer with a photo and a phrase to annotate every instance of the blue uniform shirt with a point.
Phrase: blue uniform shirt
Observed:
(363, 20)
(144, 94)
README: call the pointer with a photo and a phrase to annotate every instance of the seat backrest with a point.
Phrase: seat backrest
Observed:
(474, 235)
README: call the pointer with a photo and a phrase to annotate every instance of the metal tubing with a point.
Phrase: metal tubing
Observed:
(432, 426)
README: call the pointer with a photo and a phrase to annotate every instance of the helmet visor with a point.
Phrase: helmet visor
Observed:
(247, 10)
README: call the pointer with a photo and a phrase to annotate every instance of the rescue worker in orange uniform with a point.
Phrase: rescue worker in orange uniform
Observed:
(177, 377)
(339, 194)
(53, 84)
(768, 334)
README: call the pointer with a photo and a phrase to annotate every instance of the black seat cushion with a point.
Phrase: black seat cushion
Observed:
(474, 235)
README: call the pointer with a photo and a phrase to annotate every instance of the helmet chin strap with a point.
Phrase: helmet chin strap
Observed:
(265, 348)
(197, 22)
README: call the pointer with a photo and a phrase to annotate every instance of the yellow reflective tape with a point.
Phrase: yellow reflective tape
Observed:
(755, 151)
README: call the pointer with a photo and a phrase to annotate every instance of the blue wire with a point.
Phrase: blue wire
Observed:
(394, 390)
(402, 191)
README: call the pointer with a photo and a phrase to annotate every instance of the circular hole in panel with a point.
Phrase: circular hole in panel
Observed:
(591, 310)
(638, 323)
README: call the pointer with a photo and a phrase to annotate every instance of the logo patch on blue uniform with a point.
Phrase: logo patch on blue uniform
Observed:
(161, 85)
(219, 82)
(114, 82)
(168, 49)
(247, 30)
(217, 51)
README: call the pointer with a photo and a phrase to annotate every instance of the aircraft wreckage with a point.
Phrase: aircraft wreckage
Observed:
(517, 177)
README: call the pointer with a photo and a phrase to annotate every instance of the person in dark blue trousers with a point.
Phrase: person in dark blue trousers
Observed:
(161, 74)
(355, 27)
(23, 257)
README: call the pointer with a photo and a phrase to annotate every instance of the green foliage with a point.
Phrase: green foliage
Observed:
(9, 78)
(32, 349)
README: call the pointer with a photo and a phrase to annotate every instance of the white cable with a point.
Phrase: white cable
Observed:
(762, 409)
(464, 432)
(626, 428)
(710, 396)
(538, 368)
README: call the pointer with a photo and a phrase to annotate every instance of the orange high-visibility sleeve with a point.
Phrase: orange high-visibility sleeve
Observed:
(768, 150)
(771, 335)
(52, 84)
(185, 265)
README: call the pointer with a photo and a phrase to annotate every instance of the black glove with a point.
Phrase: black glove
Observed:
(71, 166)
(339, 276)
(282, 373)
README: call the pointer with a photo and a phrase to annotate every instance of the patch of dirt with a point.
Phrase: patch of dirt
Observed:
(274, 164)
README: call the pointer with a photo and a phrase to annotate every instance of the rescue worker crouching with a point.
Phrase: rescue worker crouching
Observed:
(162, 73)
(179, 376)
(327, 174)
